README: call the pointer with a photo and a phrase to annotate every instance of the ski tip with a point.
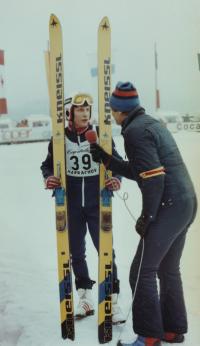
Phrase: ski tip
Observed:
(104, 24)
(53, 20)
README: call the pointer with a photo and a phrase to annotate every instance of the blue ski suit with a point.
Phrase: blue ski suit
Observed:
(83, 202)
(169, 201)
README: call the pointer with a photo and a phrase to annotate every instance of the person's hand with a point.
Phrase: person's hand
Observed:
(142, 224)
(113, 184)
(52, 182)
(99, 154)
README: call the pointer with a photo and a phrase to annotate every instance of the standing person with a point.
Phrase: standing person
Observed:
(168, 209)
(83, 201)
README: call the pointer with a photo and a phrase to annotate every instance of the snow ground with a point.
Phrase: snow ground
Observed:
(29, 308)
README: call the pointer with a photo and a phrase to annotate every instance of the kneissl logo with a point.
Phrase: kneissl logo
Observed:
(59, 87)
(107, 86)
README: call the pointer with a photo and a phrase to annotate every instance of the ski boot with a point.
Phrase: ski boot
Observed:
(85, 306)
(117, 315)
(142, 341)
(173, 338)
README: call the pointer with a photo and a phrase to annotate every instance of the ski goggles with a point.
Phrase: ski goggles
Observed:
(80, 99)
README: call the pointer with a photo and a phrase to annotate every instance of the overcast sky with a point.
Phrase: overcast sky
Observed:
(135, 25)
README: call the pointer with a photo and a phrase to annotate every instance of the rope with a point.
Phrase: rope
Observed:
(134, 293)
(124, 198)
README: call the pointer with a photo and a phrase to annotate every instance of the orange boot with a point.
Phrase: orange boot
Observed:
(141, 341)
(173, 338)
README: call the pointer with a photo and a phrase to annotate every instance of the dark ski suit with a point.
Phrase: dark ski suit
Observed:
(170, 203)
(83, 203)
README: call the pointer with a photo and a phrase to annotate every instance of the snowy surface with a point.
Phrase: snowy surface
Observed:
(29, 306)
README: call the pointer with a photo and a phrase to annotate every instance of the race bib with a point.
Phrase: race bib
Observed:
(79, 160)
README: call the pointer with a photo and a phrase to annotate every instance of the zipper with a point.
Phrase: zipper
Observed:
(83, 192)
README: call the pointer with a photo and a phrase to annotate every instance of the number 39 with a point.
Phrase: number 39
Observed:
(86, 161)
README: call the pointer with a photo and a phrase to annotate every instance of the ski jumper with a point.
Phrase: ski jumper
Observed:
(83, 202)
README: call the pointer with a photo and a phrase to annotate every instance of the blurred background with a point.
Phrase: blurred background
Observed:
(174, 26)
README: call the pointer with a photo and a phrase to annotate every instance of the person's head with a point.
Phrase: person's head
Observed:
(123, 100)
(81, 109)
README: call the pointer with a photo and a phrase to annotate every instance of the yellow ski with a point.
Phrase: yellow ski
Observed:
(58, 123)
(105, 141)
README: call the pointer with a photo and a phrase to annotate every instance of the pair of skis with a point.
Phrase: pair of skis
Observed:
(105, 237)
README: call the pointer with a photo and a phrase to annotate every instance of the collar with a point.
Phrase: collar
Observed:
(131, 116)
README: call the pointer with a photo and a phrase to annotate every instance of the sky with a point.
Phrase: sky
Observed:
(29, 299)
(136, 25)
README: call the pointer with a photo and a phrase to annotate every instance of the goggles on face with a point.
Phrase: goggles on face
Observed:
(80, 99)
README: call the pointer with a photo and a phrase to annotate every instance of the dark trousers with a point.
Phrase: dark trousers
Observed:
(79, 218)
(155, 313)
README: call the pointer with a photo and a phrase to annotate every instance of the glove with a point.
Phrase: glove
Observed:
(113, 184)
(142, 224)
(99, 154)
(52, 182)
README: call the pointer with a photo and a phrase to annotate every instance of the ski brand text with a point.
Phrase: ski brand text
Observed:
(108, 301)
(107, 86)
(59, 88)
(68, 293)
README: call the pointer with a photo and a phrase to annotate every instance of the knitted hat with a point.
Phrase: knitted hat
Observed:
(124, 98)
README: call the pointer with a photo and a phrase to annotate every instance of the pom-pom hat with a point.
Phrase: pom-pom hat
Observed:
(124, 98)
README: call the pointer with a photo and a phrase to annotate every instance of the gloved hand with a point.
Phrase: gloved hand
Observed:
(99, 154)
(113, 184)
(52, 182)
(142, 224)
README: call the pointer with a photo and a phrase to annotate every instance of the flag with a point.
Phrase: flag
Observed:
(156, 57)
(198, 57)
(1, 57)
(3, 106)
(157, 99)
(3, 101)
(94, 71)
(156, 78)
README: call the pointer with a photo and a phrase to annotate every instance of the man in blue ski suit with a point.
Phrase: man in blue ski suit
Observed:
(168, 209)
(83, 200)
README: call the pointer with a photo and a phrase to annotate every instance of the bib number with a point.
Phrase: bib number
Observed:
(85, 162)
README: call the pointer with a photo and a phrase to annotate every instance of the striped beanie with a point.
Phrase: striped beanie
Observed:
(124, 98)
